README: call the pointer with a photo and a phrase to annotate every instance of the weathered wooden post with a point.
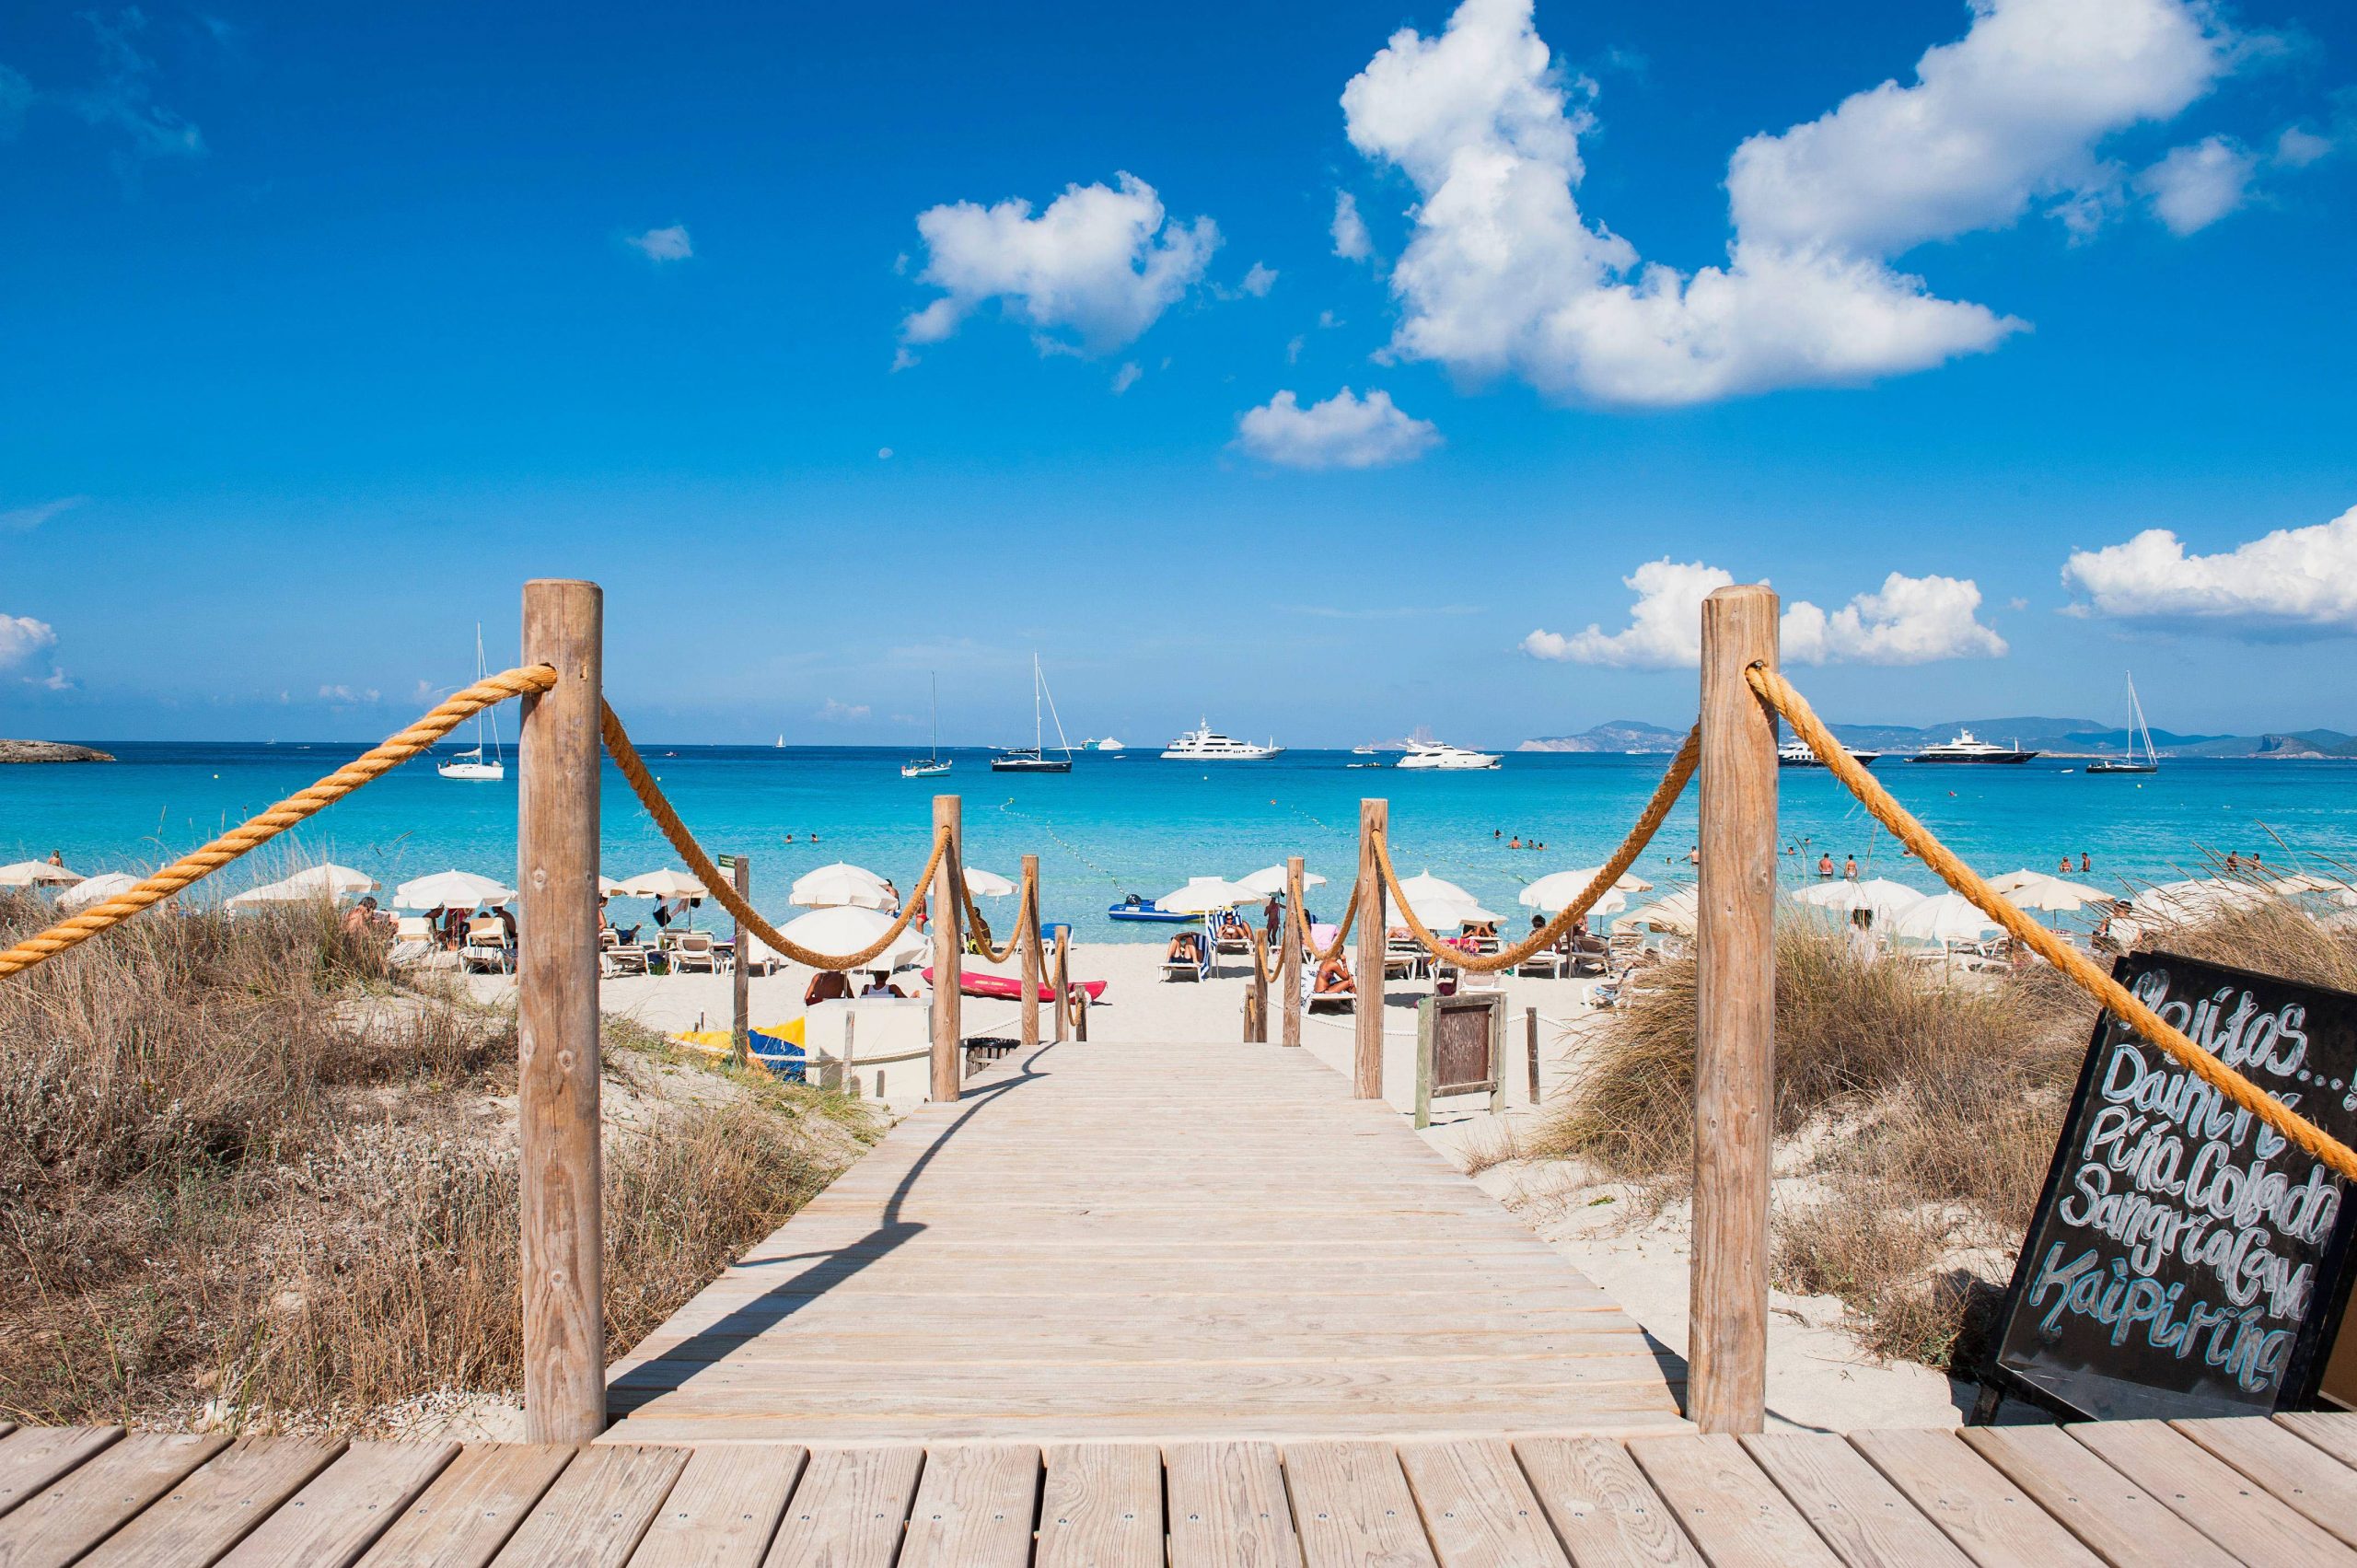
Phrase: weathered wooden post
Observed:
(1027, 908)
(740, 1034)
(1255, 1006)
(556, 1024)
(1367, 1061)
(1530, 1039)
(1735, 1013)
(949, 1034)
(1289, 974)
(1062, 988)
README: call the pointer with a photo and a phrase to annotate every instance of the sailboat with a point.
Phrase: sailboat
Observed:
(469, 764)
(933, 764)
(1034, 757)
(2138, 731)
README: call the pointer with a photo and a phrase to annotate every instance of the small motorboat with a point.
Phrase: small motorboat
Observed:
(1135, 908)
(1009, 988)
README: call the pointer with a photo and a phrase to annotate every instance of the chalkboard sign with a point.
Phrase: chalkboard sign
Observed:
(2184, 1260)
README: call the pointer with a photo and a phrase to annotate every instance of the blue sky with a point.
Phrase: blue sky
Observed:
(326, 329)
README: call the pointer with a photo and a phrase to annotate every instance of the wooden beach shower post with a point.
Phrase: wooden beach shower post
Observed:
(1028, 908)
(1289, 973)
(557, 755)
(947, 969)
(1735, 1065)
(1367, 1012)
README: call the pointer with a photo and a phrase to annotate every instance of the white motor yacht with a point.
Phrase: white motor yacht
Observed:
(1969, 748)
(1439, 756)
(1207, 745)
(1795, 753)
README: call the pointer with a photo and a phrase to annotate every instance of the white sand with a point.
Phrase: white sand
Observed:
(1818, 1376)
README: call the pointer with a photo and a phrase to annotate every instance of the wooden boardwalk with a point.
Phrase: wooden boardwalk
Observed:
(1147, 1241)
(2266, 1494)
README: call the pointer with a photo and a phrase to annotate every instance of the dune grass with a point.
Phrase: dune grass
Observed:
(249, 1177)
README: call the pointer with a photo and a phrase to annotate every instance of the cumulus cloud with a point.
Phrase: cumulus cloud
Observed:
(1259, 281)
(21, 637)
(1505, 274)
(670, 244)
(1344, 431)
(1090, 273)
(2293, 581)
(1351, 239)
(1907, 620)
(1126, 377)
(834, 712)
(2195, 186)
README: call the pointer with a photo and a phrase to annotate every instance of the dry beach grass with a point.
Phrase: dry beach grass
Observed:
(249, 1177)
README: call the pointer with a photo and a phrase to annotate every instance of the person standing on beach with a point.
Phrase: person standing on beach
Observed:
(1272, 916)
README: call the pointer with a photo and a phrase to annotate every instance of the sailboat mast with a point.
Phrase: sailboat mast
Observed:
(936, 717)
(1038, 733)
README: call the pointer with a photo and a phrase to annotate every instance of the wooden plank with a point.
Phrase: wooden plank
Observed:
(2210, 1494)
(1866, 1521)
(2306, 1477)
(1227, 1507)
(464, 1518)
(1732, 1511)
(849, 1509)
(1351, 1505)
(339, 1515)
(32, 1458)
(974, 1504)
(1101, 1507)
(2118, 1520)
(81, 1508)
(2331, 1431)
(1478, 1511)
(724, 1508)
(218, 1504)
(1989, 1517)
(596, 1511)
(1603, 1509)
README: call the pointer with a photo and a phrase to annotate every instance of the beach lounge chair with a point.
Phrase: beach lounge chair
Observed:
(412, 939)
(1312, 998)
(695, 951)
(486, 947)
(616, 957)
(1177, 967)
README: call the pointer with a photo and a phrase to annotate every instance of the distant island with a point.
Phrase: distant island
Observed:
(2056, 738)
(50, 751)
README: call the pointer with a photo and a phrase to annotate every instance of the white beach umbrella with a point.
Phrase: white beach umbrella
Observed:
(2006, 881)
(2299, 882)
(2037, 891)
(1203, 894)
(846, 928)
(987, 884)
(1879, 894)
(1425, 885)
(285, 892)
(1270, 880)
(2195, 899)
(1945, 917)
(95, 890)
(1675, 912)
(329, 877)
(1558, 889)
(610, 888)
(451, 890)
(841, 884)
(37, 873)
(663, 884)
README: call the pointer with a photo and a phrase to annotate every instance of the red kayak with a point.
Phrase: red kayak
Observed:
(1008, 988)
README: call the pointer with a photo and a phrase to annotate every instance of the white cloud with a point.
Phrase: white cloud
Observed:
(884, 454)
(1099, 264)
(2196, 185)
(2290, 581)
(1126, 377)
(1343, 431)
(24, 519)
(1259, 281)
(1505, 274)
(1907, 621)
(124, 98)
(21, 637)
(670, 244)
(2298, 147)
(1351, 240)
(346, 695)
(834, 711)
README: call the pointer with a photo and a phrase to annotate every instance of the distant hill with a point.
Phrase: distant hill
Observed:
(2055, 736)
(1618, 736)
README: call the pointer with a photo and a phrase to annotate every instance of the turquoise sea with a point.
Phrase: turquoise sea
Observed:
(1132, 822)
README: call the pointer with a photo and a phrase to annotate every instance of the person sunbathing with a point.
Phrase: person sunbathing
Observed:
(1187, 948)
(826, 985)
(1333, 978)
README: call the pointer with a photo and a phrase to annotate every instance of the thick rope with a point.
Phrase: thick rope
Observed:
(255, 832)
(700, 866)
(1268, 959)
(1300, 919)
(1026, 918)
(1649, 822)
(1779, 694)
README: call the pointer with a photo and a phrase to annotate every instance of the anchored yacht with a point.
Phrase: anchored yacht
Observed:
(1208, 745)
(1440, 756)
(1795, 753)
(2139, 733)
(1969, 748)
